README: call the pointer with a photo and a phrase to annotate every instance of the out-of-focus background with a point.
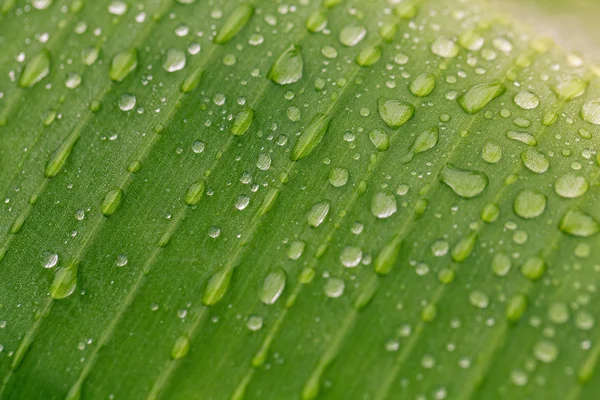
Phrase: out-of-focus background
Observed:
(574, 24)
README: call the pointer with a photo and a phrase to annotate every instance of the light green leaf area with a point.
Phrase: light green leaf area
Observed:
(351, 199)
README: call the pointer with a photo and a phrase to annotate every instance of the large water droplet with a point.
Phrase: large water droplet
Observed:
(383, 205)
(526, 100)
(318, 213)
(577, 223)
(571, 186)
(590, 112)
(64, 282)
(310, 137)
(217, 287)
(273, 286)
(425, 141)
(351, 35)
(36, 69)
(569, 88)
(174, 60)
(111, 202)
(234, 23)
(122, 64)
(422, 85)
(242, 122)
(395, 113)
(180, 347)
(288, 67)
(465, 183)
(444, 47)
(535, 161)
(529, 203)
(479, 96)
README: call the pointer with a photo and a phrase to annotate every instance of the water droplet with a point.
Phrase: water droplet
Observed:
(310, 137)
(558, 313)
(316, 22)
(584, 321)
(121, 260)
(180, 347)
(351, 35)
(444, 47)
(515, 307)
(422, 85)
(464, 247)
(65, 281)
(569, 88)
(36, 69)
(387, 256)
(174, 60)
(491, 153)
(383, 205)
(288, 67)
(338, 177)
(41, 4)
(490, 213)
(533, 269)
(234, 23)
(111, 202)
(526, 100)
(577, 223)
(571, 186)
(334, 287)
(242, 122)
(117, 8)
(471, 40)
(351, 256)
(395, 113)
(465, 183)
(192, 81)
(296, 249)
(545, 351)
(479, 96)
(523, 137)
(194, 193)
(590, 112)
(122, 65)
(479, 299)
(535, 161)
(380, 140)
(318, 213)
(217, 287)
(368, 56)
(529, 203)
(501, 264)
(273, 286)
(127, 102)
(425, 141)
(50, 260)
(73, 80)
(254, 323)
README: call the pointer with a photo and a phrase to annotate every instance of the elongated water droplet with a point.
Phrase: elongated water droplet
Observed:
(36, 69)
(64, 282)
(194, 193)
(217, 287)
(122, 64)
(569, 88)
(387, 256)
(368, 56)
(523, 137)
(242, 122)
(234, 23)
(111, 202)
(338, 177)
(465, 183)
(590, 112)
(571, 186)
(535, 161)
(479, 96)
(515, 307)
(464, 247)
(351, 35)
(192, 81)
(471, 40)
(534, 268)
(316, 22)
(180, 347)
(490, 213)
(501, 264)
(288, 67)
(383, 205)
(310, 137)
(423, 85)
(395, 113)
(59, 157)
(577, 223)
(425, 141)
(380, 140)
(529, 203)
(273, 286)
(318, 213)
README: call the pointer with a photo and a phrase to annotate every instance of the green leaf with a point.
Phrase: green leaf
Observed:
(329, 199)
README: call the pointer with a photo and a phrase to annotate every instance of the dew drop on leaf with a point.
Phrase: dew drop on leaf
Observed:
(590, 112)
(180, 347)
(174, 60)
(501, 264)
(368, 56)
(242, 122)
(479, 96)
(334, 287)
(529, 203)
(238, 18)
(351, 35)
(288, 67)
(338, 177)
(571, 186)
(523, 137)
(395, 113)
(310, 137)
(36, 69)
(422, 85)
(526, 100)
(383, 205)
(273, 286)
(491, 153)
(122, 65)
(444, 47)
(533, 268)
(545, 351)
(577, 223)
(535, 161)
(317, 214)
(111, 202)
(465, 183)
(65, 281)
